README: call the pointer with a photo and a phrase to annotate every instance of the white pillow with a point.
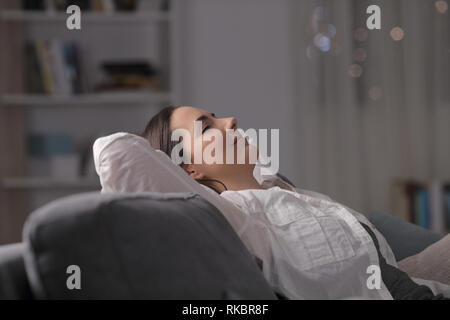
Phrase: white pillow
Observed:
(127, 163)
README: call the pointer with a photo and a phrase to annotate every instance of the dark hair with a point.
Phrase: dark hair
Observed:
(158, 133)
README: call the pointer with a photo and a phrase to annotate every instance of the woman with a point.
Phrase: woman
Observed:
(309, 246)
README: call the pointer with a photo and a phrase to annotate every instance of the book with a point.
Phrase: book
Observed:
(45, 67)
(73, 67)
(108, 6)
(97, 5)
(33, 4)
(129, 75)
(150, 5)
(421, 208)
(437, 207)
(125, 5)
(412, 189)
(61, 74)
(52, 67)
(105, 6)
(400, 201)
(425, 204)
(45, 145)
(62, 5)
(447, 207)
(50, 5)
(33, 76)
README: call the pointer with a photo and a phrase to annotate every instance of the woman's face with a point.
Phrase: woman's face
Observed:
(185, 117)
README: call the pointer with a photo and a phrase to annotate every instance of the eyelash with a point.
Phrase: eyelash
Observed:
(206, 128)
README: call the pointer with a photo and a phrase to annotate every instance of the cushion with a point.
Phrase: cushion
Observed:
(138, 246)
(127, 163)
(433, 263)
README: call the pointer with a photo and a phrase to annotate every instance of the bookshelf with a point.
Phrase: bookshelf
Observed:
(88, 17)
(425, 203)
(43, 183)
(88, 100)
(104, 36)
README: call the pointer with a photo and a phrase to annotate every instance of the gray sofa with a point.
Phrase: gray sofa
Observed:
(130, 246)
(147, 246)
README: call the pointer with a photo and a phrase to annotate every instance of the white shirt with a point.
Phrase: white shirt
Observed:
(311, 247)
(306, 242)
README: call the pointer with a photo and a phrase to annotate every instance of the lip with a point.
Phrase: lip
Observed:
(238, 138)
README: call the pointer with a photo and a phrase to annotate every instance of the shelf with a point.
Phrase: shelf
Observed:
(49, 183)
(113, 17)
(100, 99)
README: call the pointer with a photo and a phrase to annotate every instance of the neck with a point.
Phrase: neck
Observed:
(242, 182)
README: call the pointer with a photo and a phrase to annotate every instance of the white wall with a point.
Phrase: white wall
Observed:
(236, 57)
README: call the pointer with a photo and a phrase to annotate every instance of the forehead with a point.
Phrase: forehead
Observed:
(184, 117)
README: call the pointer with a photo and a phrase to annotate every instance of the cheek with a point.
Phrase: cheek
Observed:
(195, 147)
(213, 149)
(241, 151)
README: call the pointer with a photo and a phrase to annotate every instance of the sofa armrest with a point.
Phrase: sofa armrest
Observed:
(14, 283)
(406, 239)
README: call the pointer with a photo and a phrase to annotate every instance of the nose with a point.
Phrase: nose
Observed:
(231, 123)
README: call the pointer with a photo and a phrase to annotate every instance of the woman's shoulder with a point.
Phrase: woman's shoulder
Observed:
(256, 199)
(313, 194)
(256, 193)
(276, 198)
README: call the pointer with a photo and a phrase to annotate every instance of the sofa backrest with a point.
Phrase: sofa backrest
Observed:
(137, 246)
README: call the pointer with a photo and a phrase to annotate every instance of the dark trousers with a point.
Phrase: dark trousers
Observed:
(399, 284)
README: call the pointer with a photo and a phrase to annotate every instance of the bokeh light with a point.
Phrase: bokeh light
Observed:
(355, 71)
(332, 30)
(361, 34)
(336, 49)
(309, 52)
(360, 55)
(441, 6)
(323, 34)
(375, 93)
(319, 13)
(397, 34)
(322, 42)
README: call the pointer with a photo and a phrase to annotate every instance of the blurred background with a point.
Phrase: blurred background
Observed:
(363, 114)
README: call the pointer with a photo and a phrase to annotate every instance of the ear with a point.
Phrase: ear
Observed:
(193, 173)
